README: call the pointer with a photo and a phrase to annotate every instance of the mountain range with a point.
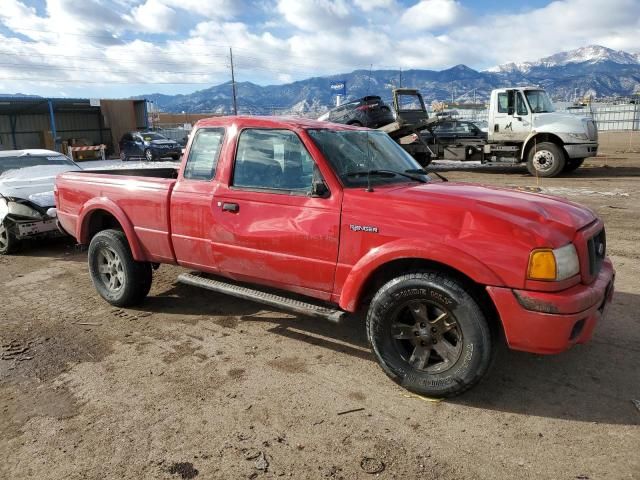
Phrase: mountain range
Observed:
(589, 71)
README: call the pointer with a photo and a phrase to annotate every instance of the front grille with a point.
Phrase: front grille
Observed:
(597, 248)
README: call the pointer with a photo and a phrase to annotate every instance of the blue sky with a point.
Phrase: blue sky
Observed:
(118, 48)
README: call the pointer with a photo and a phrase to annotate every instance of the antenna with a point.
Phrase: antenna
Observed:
(233, 84)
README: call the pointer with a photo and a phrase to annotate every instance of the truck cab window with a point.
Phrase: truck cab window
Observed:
(521, 105)
(503, 103)
(273, 160)
(204, 153)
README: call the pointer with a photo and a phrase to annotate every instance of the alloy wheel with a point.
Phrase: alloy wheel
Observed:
(427, 336)
(111, 269)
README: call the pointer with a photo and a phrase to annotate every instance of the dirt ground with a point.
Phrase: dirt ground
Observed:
(199, 385)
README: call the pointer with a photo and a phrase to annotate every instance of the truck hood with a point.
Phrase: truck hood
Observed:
(560, 122)
(463, 208)
(32, 183)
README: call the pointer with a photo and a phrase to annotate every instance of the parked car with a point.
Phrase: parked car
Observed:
(346, 217)
(368, 111)
(450, 131)
(26, 194)
(148, 145)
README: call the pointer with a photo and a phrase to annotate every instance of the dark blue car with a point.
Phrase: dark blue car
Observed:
(148, 145)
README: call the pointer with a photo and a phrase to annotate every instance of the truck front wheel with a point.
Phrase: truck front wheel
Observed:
(429, 334)
(573, 164)
(118, 278)
(545, 159)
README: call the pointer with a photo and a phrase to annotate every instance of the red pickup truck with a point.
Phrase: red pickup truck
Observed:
(341, 219)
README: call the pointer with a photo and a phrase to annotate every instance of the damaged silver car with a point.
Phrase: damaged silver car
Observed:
(27, 178)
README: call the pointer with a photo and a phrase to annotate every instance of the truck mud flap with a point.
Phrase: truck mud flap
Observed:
(273, 300)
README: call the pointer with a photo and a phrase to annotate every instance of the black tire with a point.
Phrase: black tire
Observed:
(123, 156)
(545, 159)
(149, 155)
(8, 242)
(573, 164)
(355, 123)
(118, 278)
(438, 356)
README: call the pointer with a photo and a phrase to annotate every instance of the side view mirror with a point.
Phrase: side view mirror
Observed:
(511, 102)
(319, 189)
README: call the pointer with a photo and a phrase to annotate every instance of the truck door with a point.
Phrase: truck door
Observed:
(512, 119)
(192, 214)
(269, 227)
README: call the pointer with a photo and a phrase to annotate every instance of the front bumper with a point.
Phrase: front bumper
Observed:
(167, 152)
(581, 150)
(551, 322)
(24, 229)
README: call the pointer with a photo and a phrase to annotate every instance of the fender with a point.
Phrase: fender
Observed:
(412, 248)
(534, 133)
(109, 206)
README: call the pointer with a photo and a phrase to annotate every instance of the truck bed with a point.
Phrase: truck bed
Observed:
(139, 197)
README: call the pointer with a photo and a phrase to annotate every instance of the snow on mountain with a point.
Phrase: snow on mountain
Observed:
(591, 54)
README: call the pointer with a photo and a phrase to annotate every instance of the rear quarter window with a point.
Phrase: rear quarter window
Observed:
(204, 153)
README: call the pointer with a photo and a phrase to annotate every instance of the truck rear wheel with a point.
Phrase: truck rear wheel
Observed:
(429, 334)
(118, 278)
(545, 159)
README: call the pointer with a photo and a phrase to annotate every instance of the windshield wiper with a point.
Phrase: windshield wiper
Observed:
(420, 171)
(389, 173)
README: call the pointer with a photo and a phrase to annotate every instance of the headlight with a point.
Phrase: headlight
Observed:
(579, 136)
(550, 265)
(22, 210)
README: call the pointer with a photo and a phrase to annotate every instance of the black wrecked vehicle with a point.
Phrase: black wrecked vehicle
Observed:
(369, 111)
(27, 180)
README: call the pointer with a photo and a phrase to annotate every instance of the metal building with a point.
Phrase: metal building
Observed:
(34, 122)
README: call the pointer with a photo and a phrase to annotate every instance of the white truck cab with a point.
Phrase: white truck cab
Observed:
(523, 123)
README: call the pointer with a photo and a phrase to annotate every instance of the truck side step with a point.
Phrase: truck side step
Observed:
(331, 314)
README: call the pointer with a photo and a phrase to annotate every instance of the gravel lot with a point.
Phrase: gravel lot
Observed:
(200, 385)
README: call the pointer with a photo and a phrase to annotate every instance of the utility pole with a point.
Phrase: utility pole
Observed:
(233, 84)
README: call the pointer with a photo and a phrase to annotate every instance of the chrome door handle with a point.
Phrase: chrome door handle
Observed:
(230, 207)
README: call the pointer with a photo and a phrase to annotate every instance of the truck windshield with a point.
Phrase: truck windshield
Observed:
(539, 101)
(353, 153)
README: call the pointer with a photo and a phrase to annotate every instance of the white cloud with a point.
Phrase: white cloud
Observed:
(153, 16)
(76, 40)
(368, 5)
(430, 14)
(315, 15)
